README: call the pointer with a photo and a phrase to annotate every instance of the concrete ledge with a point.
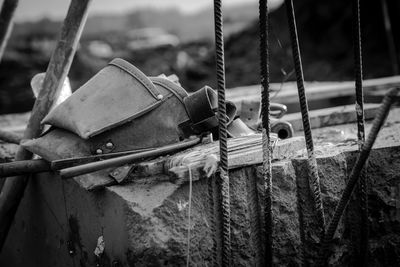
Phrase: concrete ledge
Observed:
(145, 221)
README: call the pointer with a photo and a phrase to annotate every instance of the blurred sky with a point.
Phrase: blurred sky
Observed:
(29, 10)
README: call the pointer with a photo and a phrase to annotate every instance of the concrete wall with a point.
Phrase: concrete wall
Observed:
(144, 223)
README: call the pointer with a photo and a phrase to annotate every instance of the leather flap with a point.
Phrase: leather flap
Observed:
(202, 108)
(117, 94)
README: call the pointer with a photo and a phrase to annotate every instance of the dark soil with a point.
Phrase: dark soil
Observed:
(325, 32)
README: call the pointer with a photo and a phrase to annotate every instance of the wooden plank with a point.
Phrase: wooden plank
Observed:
(287, 93)
(243, 157)
(6, 23)
(330, 116)
(56, 73)
(243, 151)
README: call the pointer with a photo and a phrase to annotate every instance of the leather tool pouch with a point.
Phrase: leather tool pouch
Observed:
(121, 109)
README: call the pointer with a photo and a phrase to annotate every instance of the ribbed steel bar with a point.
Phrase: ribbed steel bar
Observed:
(358, 72)
(223, 145)
(57, 70)
(6, 23)
(266, 125)
(312, 161)
(357, 169)
(211, 204)
(361, 249)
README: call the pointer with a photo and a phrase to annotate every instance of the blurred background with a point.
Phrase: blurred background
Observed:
(176, 37)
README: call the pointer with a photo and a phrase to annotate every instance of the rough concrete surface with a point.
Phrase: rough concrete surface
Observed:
(145, 223)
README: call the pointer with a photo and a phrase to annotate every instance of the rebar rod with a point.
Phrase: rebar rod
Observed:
(57, 70)
(312, 161)
(266, 125)
(6, 23)
(222, 132)
(211, 203)
(362, 247)
(379, 120)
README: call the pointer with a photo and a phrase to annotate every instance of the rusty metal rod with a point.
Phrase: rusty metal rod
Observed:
(377, 124)
(57, 70)
(312, 161)
(10, 137)
(40, 165)
(360, 232)
(119, 161)
(23, 167)
(6, 23)
(225, 213)
(266, 140)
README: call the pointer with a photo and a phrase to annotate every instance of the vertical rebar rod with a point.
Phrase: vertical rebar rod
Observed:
(358, 72)
(6, 23)
(56, 73)
(362, 247)
(379, 120)
(394, 58)
(213, 231)
(223, 136)
(266, 142)
(312, 161)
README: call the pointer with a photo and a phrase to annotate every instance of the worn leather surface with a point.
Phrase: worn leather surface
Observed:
(121, 109)
(117, 94)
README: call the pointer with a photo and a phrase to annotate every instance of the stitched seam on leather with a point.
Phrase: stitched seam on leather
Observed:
(143, 82)
(134, 116)
(169, 88)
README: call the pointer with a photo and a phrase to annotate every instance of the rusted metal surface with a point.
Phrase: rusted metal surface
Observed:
(56, 73)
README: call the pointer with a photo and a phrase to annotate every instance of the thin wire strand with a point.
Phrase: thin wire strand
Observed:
(189, 217)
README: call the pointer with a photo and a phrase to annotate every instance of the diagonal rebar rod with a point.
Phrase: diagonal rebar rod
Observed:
(377, 124)
(361, 248)
(266, 125)
(223, 136)
(312, 161)
(6, 23)
(59, 65)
